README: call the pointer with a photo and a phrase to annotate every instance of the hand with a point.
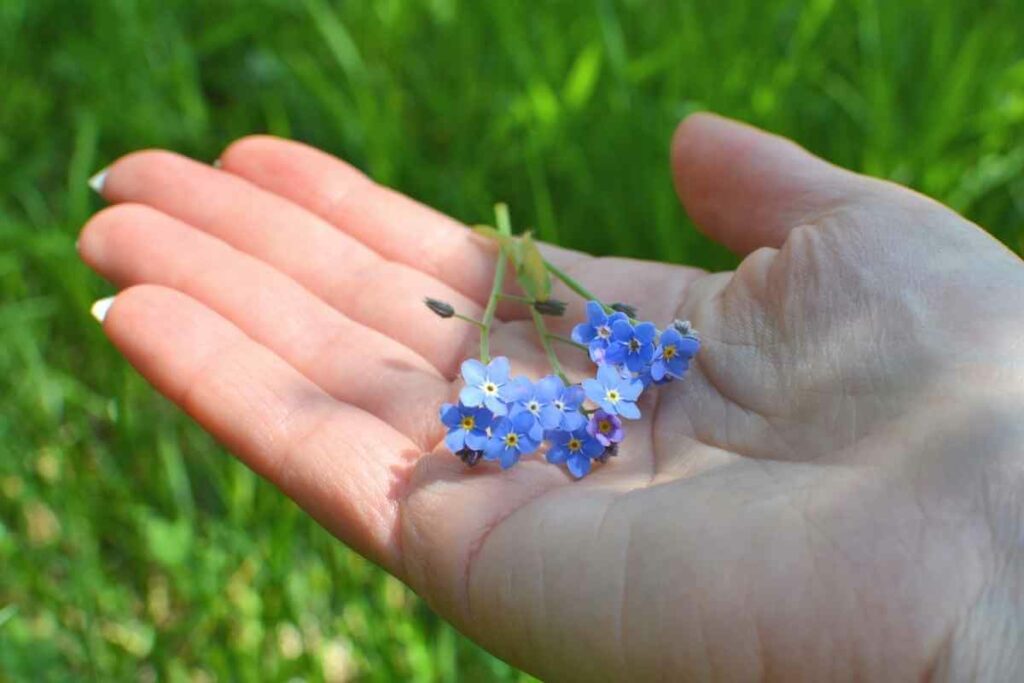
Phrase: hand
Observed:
(834, 490)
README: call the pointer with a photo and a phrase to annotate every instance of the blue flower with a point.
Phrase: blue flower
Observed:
(615, 394)
(563, 412)
(467, 426)
(633, 346)
(576, 449)
(511, 439)
(596, 332)
(672, 358)
(536, 399)
(486, 385)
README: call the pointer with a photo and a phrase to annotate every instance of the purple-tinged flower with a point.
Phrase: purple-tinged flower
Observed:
(633, 345)
(672, 358)
(563, 412)
(576, 449)
(615, 394)
(511, 439)
(486, 385)
(596, 332)
(605, 428)
(609, 452)
(467, 426)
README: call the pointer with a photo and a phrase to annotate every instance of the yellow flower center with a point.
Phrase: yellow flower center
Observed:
(511, 439)
(604, 426)
(468, 422)
(669, 352)
(575, 445)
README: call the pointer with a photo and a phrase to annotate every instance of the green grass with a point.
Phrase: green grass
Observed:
(129, 544)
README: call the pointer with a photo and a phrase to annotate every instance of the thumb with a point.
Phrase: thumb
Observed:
(747, 188)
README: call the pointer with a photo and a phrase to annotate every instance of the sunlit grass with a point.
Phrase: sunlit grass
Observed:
(129, 544)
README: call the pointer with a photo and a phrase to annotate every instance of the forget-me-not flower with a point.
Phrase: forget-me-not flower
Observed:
(605, 428)
(467, 426)
(632, 345)
(511, 439)
(614, 393)
(486, 385)
(596, 332)
(576, 449)
(673, 355)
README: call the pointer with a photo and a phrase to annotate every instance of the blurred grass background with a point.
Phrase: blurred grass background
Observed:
(130, 547)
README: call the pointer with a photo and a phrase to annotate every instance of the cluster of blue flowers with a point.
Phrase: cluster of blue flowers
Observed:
(503, 418)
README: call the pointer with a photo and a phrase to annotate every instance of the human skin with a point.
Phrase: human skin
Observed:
(834, 491)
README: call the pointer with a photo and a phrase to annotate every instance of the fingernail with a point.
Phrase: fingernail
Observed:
(216, 163)
(96, 182)
(100, 308)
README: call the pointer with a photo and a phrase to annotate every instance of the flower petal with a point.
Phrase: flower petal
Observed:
(451, 416)
(628, 410)
(594, 389)
(583, 333)
(498, 370)
(631, 389)
(557, 455)
(474, 372)
(495, 405)
(455, 440)
(595, 314)
(645, 332)
(548, 388)
(509, 457)
(607, 376)
(471, 396)
(578, 465)
(622, 330)
(476, 440)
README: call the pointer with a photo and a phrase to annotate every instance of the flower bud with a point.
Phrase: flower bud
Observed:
(441, 308)
(628, 309)
(684, 327)
(609, 452)
(469, 456)
(550, 307)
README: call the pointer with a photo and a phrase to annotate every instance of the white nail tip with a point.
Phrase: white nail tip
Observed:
(97, 181)
(216, 163)
(100, 309)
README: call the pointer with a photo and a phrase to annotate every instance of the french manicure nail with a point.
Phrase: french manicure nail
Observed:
(96, 182)
(100, 308)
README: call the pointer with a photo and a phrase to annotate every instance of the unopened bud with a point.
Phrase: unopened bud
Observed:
(685, 328)
(550, 307)
(609, 452)
(469, 456)
(441, 308)
(628, 309)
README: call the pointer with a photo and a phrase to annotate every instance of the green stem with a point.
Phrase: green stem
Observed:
(469, 320)
(515, 297)
(545, 340)
(566, 340)
(575, 286)
(504, 226)
(572, 284)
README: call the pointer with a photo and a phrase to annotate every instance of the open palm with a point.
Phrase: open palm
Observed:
(820, 496)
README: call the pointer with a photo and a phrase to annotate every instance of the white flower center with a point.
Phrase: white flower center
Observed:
(612, 395)
(559, 405)
(533, 407)
(511, 439)
(604, 332)
(490, 388)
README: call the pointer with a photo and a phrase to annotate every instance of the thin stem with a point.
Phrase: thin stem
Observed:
(471, 321)
(545, 341)
(515, 297)
(566, 340)
(575, 286)
(504, 226)
(572, 284)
